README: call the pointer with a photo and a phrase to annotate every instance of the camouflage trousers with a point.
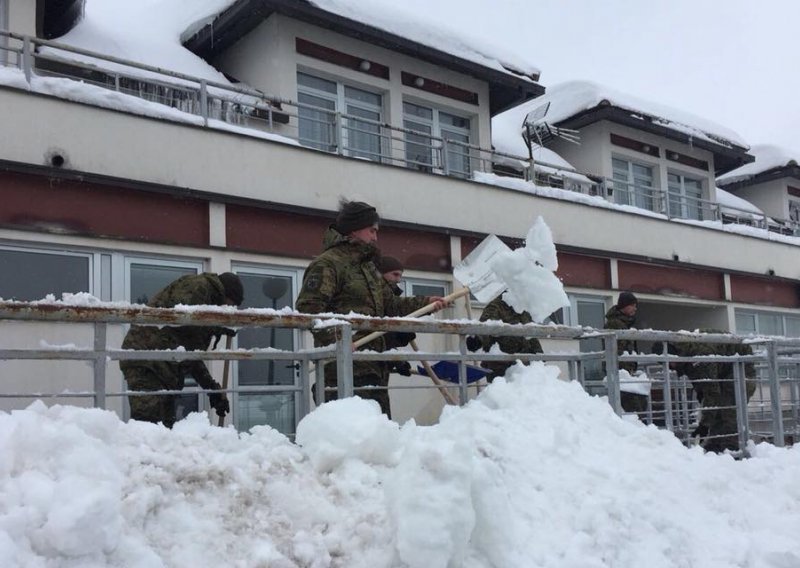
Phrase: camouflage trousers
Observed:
(149, 408)
(359, 381)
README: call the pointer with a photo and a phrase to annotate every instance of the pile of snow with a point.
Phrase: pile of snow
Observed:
(573, 97)
(733, 205)
(532, 473)
(768, 157)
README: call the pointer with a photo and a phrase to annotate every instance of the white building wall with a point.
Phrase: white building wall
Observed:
(267, 60)
(21, 16)
(771, 197)
(130, 147)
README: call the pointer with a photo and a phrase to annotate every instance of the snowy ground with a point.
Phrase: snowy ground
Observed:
(532, 473)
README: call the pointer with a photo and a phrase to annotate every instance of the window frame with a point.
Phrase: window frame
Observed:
(634, 198)
(341, 104)
(784, 318)
(685, 207)
(94, 260)
(130, 260)
(437, 134)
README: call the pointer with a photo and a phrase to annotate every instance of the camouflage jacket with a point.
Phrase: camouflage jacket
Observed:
(713, 381)
(193, 289)
(344, 279)
(498, 310)
(615, 319)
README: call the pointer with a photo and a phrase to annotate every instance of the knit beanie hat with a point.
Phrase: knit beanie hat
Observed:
(626, 299)
(389, 264)
(233, 287)
(355, 215)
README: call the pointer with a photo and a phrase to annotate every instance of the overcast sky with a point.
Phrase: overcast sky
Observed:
(736, 62)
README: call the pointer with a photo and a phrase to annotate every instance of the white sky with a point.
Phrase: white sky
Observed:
(732, 61)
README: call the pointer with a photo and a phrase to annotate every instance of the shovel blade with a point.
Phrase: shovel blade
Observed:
(475, 271)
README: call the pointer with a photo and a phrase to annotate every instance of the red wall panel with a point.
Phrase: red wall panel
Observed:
(584, 271)
(671, 281)
(36, 202)
(764, 291)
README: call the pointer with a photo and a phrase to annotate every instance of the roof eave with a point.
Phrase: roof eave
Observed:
(726, 158)
(506, 89)
(764, 177)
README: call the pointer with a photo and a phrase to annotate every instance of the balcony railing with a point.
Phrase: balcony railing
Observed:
(218, 105)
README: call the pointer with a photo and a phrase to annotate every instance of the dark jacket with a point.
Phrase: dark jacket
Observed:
(193, 289)
(498, 310)
(344, 279)
(616, 319)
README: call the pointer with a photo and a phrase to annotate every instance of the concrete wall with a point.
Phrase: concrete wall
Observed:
(266, 59)
(21, 16)
(771, 197)
(126, 146)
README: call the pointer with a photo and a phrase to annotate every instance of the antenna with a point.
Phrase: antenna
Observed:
(535, 130)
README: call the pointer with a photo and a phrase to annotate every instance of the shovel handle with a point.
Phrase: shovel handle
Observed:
(420, 312)
(226, 371)
(448, 398)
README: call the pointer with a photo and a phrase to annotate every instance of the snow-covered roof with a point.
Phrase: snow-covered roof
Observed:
(145, 32)
(574, 97)
(397, 19)
(768, 157)
(734, 205)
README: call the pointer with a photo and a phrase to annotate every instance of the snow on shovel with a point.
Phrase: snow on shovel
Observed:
(492, 268)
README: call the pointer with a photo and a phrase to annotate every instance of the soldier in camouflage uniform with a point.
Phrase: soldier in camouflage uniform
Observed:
(622, 315)
(498, 310)
(714, 387)
(194, 289)
(392, 270)
(344, 279)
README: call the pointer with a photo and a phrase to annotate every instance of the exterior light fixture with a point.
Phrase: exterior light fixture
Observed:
(419, 82)
(365, 65)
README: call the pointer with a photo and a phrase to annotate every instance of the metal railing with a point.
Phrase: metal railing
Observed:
(218, 104)
(772, 414)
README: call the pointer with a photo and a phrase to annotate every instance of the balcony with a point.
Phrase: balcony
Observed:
(250, 112)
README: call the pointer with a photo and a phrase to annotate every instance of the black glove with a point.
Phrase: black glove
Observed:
(219, 402)
(474, 343)
(402, 368)
(404, 339)
(700, 432)
(220, 331)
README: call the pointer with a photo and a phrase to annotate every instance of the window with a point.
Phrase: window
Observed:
(420, 287)
(146, 276)
(589, 311)
(685, 196)
(275, 289)
(321, 99)
(428, 124)
(32, 274)
(767, 323)
(794, 210)
(634, 184)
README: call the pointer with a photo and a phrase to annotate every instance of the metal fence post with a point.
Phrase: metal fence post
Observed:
(775, 393)
(740, 393)
(339, 134)
(204, 101)
(99, 366)
(463, 394)
(612, 372)
(305, 388)
(27, 59)
(319, 382)
(444, 158)
(344, 360)
(668, 416)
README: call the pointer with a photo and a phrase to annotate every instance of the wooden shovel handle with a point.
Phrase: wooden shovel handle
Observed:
(226, 371)
(448, 398)
(420, 312)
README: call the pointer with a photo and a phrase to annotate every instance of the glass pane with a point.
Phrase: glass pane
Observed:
(419, 150)
(452, 120)
(745, 324)
(317, 128)
(312, 82)
(357, 95)
(427, 290)
(591, 313)
(770, 324)
(418, 111)
(32, 275)
(793, 327)
(457, 155)
(147, 280)
(277, 410)
(363, 138)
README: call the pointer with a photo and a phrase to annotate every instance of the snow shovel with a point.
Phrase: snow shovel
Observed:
(448, 397)
(474, 272)
(226, 371)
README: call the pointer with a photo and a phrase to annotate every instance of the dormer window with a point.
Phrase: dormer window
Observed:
(355, 132)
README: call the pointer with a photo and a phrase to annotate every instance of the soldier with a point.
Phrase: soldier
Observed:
(392, 270)
(622, 315)
(498, 310)
(715, 390)
(344, 279)
(193, 289)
